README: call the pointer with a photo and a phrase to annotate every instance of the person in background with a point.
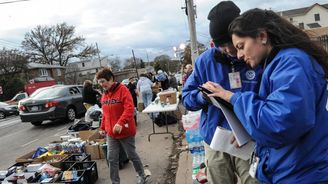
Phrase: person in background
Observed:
(288, 117)
(188, 70)
(118, 124)
(163, 79)
(173, 82)
(90, 96)
(133, 88)
(144, 89)
(217, 64)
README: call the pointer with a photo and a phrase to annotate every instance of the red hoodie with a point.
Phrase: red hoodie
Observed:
(117, 106)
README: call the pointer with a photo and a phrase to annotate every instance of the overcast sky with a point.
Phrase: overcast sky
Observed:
(118, 26)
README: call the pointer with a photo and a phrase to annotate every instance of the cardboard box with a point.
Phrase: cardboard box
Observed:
(26, 158)
(96, 137)
(54, 160)
(171, 95)
(93, 150)
(86, 134)
(101, 152)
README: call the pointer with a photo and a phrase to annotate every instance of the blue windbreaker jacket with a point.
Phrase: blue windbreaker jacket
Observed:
(208, 69)
(288, 119)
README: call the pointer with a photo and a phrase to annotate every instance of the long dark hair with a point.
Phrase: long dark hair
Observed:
(281, 33)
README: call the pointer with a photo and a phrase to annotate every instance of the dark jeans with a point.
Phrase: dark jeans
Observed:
(113, 151)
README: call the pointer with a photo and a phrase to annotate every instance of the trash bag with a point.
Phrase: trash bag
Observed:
(93, 114)
(161, 118)
(80, 125)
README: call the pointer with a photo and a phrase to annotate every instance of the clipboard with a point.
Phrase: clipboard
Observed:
(223, 102)
(240, 133)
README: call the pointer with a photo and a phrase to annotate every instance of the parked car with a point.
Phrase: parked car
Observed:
(51, 103)
(19, 96)
(7, 110)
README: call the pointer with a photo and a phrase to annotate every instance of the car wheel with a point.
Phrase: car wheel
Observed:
(2, 115)
(36, 123)
(70, 114)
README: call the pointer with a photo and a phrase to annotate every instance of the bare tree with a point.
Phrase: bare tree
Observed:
(12, 62)
(71, 73)
(115, 64)
(13, 66)
(162, 62)
(186, 57)
(56, 44)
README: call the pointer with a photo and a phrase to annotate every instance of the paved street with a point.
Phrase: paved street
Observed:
(18, 138)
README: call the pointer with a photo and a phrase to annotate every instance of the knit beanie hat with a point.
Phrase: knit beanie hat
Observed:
(220, 17)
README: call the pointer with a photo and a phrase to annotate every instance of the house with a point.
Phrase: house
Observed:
(311, 17)
(37, 70)
(77, 72)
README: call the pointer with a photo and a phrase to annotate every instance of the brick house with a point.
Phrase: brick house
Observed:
(37, 70)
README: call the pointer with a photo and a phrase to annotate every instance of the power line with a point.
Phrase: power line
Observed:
(9, 41)
(17, 1)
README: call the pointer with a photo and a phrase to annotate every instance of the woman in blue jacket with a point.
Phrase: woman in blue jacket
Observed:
(288, 118)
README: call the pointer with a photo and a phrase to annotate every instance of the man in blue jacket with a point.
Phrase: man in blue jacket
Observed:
(217, 64)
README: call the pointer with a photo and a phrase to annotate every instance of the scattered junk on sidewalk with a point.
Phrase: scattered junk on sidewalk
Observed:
(69, 160)
(195, 142)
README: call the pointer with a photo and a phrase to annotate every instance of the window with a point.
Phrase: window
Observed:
(59, 72)
(43, 72)
(317, 17)
(301, 25)
(83, 65)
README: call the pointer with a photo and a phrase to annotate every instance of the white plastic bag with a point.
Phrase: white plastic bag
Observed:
(92, 109)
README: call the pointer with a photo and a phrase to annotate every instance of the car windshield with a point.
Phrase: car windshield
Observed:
(49, 93)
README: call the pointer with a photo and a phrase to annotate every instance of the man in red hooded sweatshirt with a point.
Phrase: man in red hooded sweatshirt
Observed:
(118, 124)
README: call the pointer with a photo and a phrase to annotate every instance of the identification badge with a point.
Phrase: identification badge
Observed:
(253, 166)
(234, 80)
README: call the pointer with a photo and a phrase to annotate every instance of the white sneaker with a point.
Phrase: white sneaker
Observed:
(141, 179)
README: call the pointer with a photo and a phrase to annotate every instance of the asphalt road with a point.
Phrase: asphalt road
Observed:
(17, 138)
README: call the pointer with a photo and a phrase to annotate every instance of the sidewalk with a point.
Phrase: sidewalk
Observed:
(154, 154)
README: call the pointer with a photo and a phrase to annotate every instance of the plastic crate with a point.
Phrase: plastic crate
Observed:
(81, 179)
(78, 158)
(66, 165)
(90, 169)
(36, 180)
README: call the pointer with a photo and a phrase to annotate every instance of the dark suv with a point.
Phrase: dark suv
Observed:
(55, 102)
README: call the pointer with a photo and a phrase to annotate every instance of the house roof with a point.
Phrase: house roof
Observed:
(46, 66)
(300, 11)
(316, 32)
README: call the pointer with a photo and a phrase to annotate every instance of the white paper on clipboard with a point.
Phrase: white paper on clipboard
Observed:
(221, 142)
(240, 133)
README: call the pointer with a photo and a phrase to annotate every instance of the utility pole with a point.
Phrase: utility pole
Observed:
(147, 59)
(192, 29)
(98, 55)
(135, 62)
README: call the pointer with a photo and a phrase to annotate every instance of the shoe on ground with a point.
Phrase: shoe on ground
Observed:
(142, 179)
